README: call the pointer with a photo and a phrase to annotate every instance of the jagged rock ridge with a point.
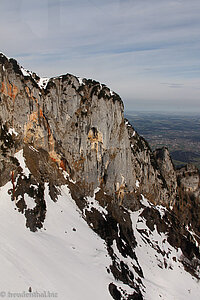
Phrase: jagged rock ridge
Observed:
(73, 132)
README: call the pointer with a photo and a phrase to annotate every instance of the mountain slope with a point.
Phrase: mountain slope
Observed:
(58, 259)
(75, 178)
(67, 259)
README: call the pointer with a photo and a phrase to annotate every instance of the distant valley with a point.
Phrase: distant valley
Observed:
(180, 133)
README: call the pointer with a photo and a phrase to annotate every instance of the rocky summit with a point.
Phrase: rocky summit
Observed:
(88, 210)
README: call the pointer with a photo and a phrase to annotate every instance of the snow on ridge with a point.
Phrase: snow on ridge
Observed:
(80, 80)
(112, 92)
(25, 72)
(43, 82)
(2, 54)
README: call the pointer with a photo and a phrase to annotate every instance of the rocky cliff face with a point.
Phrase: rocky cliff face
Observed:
(72, 132)
(80, 124)
(188, 205)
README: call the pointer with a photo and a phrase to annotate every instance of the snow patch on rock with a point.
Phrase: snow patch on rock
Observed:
(20, 158)
(43, 82)
(93, 203)
(80, 80)
(25, 72)
(12, 131)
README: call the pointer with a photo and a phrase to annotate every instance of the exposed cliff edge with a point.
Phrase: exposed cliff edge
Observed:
(72, 132)
(80, 124)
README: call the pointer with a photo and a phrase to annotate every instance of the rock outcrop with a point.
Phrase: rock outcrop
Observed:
(187, 208)
(168, 172)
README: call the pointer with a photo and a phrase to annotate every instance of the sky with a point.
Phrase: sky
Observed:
(148, 51)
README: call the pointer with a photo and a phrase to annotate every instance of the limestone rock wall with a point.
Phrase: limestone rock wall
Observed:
(150, 177)
(168, 172)
(80, 124)
(89, 126)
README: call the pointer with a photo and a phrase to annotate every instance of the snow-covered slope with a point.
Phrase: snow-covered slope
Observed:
(164, 274)
(68, 260)
(65, 257)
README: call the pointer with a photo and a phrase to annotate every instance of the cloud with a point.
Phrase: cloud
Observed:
(132, 45)
(174, 85)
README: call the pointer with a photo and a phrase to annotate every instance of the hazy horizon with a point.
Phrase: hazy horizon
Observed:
(158, 111)
(163, 109)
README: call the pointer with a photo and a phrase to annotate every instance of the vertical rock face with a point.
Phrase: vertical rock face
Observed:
(168, 172)
(88, 124)
(80, 125)
(149, 177)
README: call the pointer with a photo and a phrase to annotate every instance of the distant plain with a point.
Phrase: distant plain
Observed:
(180, 133)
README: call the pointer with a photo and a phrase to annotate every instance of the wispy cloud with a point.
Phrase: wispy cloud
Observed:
(132, 45)
(174, 85)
